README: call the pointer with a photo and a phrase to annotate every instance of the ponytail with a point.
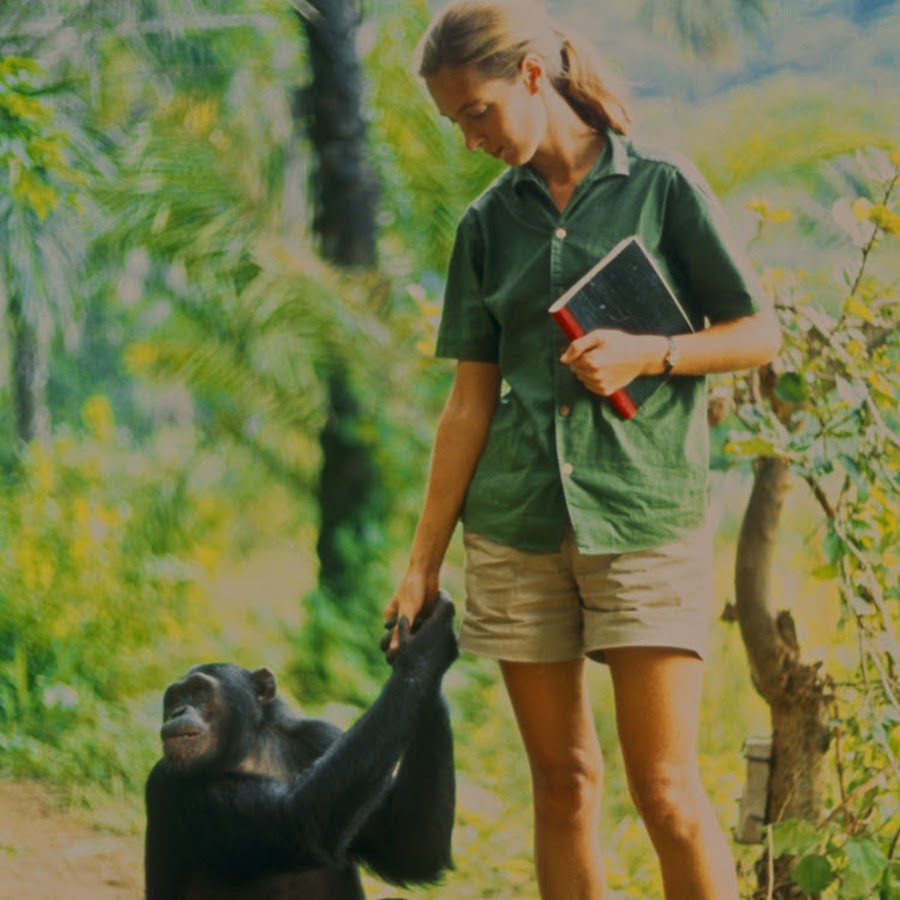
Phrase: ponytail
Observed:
(585, 90)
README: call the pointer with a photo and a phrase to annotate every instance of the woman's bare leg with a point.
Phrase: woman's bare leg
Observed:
(555, 721)
(657, 710)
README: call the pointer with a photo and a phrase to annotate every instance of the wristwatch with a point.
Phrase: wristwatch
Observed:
(673, 353)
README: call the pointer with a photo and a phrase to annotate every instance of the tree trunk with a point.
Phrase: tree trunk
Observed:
(28, 374)
(343, 184)
(794, 691)
(350, 498)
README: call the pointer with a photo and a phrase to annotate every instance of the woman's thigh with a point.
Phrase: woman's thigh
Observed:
(554, 716)
(657, 697)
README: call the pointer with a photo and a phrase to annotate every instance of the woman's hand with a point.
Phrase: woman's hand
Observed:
(415, 594)
(605, 361)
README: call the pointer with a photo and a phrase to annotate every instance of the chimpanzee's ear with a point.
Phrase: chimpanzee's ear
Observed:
(264, 685)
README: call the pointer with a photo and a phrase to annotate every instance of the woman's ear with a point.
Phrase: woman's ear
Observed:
(532, 68)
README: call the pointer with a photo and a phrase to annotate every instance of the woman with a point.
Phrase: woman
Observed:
(585, 534)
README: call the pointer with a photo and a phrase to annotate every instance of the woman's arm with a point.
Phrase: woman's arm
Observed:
(461, 434)
(605, 361)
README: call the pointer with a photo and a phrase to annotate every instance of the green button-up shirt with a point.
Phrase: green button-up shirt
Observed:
(555, 451)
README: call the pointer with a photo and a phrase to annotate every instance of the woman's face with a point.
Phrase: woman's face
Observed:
(503, 118)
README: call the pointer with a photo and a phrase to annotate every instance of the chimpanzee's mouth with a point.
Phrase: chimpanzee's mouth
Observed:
(174, 732)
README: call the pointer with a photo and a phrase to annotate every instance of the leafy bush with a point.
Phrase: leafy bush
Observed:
(829, 408)
(105, 555)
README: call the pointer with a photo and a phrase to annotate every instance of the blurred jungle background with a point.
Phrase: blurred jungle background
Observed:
(223, 228)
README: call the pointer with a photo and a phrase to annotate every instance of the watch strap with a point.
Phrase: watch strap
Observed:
(671, 357)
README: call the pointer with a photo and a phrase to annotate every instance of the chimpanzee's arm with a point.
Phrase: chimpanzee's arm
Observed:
(346, 785)
(408, 838)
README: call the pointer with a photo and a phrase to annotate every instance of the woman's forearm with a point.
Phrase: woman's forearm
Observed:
(723, 347)
(460, 437)
(606, 361)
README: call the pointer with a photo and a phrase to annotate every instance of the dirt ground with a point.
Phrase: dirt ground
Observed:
(49, 854)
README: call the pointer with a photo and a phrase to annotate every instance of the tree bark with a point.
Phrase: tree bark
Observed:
(344, 185)
(28, 371)
(794, 691)
(345, 196)
(348, 496)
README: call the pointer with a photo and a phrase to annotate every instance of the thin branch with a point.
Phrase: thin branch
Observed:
(870, 244)
(821, 497)
(838, 762)
(877, 780)
(892, 849)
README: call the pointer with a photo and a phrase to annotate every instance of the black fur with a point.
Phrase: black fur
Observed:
(252, 801)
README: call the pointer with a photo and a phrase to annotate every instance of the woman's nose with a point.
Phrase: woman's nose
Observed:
(473, 139)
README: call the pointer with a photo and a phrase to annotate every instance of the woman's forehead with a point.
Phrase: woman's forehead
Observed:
(453, 89)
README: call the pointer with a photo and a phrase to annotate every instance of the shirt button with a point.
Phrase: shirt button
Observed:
(564, 410)
(568, 468)
(561, 233)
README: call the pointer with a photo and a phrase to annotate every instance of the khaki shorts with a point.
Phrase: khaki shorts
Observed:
(551, 607)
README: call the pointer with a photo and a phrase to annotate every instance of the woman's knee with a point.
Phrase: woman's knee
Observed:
(566, 787)
(672, 804)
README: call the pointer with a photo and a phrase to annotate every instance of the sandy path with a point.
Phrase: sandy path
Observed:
(49, 854)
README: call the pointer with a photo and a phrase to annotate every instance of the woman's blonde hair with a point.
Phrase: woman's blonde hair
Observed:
(494, 36)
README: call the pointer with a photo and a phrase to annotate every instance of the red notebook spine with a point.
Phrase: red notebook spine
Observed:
(620, 400)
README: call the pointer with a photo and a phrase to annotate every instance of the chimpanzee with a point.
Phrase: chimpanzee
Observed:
(253, 801)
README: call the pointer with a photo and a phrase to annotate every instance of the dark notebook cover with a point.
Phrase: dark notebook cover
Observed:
(624, 291)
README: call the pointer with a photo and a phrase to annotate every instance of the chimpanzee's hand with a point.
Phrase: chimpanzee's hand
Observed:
(429, 645)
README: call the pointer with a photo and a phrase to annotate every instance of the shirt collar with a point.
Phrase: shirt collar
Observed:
(612, 161)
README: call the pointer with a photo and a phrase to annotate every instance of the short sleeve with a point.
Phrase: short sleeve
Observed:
(467, 329)
(717, 275)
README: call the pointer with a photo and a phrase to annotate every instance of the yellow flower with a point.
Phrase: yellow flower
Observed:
(141, 355)
(32, 190)
(43, 470)
(855, 307)
(36, 569)
(207, 556)
(862, 208)
(98, 417)
(887, 220)
(201, 117)
(768, 214)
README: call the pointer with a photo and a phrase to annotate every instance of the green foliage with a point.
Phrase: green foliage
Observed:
(106, 558)
(32, 153)
(78, 742)
(42, 181)
(830, 863)
(253, 318)
(831, 407)
(763, 135)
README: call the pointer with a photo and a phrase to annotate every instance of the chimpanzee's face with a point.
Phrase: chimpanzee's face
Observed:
(194, 717)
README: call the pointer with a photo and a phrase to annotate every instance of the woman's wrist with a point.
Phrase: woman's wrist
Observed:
(428, 575)
(655, 355)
